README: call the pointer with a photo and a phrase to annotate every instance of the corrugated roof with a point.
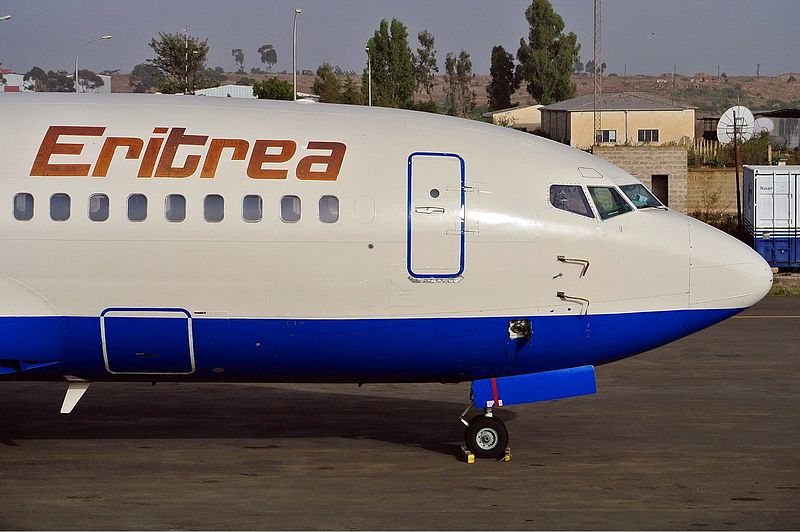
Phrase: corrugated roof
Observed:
(617, 101)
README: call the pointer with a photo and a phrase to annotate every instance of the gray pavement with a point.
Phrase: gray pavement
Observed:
(701, 434)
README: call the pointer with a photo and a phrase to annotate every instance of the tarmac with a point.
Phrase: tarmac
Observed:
(700, 434)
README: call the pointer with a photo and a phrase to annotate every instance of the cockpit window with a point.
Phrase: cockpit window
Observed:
(609, 202)
(570, 198)
(640, 196)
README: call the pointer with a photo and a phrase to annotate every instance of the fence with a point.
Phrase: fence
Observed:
(704, 150)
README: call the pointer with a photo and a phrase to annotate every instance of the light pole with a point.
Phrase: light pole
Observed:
(369, 75)
(186, 58)
(78, 55)
(5, 18)
(294, 52)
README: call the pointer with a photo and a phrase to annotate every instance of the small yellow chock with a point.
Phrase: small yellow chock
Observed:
(468, 456)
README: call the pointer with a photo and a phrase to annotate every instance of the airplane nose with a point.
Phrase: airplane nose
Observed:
(723, 271)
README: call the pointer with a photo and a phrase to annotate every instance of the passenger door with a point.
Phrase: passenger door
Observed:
(435, 232)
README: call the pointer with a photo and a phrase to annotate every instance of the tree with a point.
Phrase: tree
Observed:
(351, 93)
(425, 65)
(145, 78)
(50, 81)
(268, 55)
(547, 58)
(392, 66)
(459, 98)
(89, 81)
(238, 57)
(326, 84)
(590, 67)
(578, 66)
(181, 59)
(211, 77)
(273, 89)
(504, 79)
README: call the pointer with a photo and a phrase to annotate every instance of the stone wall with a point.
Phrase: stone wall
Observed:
(712, 190)
(646, 161)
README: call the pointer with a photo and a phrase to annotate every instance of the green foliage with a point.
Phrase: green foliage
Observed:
(393, 78)
(89, 81)
(425, 106)
(546, 60)
(753, 151)
(273, 89)
(145, 78)
(504, 79)
(459, 97)
(50, 81)
(714, 100)
(326, 84)
(238, 57)
(245, 81)
(181, 60)
(211, 77)
(351, 93)
(425, 66)
(268, 55)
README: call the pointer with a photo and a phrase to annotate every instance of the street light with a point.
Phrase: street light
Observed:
(5, 17)
(294, 52)
(369, 74)
(78, 55)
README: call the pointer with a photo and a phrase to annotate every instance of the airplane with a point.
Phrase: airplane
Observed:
(195, 239)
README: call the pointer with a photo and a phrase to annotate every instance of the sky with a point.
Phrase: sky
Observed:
(640, 36)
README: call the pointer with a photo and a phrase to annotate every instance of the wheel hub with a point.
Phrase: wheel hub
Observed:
(486, 438)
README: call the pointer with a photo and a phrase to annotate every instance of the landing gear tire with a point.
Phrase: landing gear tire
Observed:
(486, 437)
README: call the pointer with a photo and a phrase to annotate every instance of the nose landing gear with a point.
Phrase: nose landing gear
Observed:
(485, 436)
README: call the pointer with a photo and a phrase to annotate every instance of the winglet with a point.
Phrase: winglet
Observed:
(75, 391)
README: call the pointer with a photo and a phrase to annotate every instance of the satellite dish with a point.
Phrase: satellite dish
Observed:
(744, 125)
(763, 125)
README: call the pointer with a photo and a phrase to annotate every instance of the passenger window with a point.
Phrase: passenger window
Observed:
(290, 209)
(214, 208)
(98, 207)
(175, 208)
(23, 206)
(252, 208)
(59, 207)
(609, 202)
(137, 207)
(328, 209)
(570, 198)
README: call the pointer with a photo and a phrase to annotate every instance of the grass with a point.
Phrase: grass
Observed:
(780, 290)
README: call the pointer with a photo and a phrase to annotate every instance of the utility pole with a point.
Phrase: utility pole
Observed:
(736, 163)
(758, 70)
(674, 68)
(598, 73)
(186, 58)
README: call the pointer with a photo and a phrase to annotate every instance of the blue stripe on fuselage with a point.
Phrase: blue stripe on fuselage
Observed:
(360, 350)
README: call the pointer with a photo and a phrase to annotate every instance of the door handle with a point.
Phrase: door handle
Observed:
(429, 210)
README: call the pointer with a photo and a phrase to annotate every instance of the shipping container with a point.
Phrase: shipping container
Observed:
(770, 210)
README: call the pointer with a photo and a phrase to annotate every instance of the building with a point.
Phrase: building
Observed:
(627, 118)
(227, 91)
(782, 125)
(17, 83)
(524, 118)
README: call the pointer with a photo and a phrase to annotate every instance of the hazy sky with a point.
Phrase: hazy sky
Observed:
(648, 36)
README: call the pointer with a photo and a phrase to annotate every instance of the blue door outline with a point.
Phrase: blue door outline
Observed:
(409, 212)
(133, 313)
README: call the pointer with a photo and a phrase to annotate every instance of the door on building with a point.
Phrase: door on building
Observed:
(435, 246)
(660, 187)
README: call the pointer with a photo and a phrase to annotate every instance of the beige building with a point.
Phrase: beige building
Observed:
(631, 118)
(527, 118)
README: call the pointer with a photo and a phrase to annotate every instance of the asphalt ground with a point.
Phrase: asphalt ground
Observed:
(701, 434)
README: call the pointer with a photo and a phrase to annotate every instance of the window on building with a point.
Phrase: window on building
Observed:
(175, 208)
(23, 206)
(214, 208)
(328, 209)
(60, 207)
(290, 209)
(648, 135)
(98, 207)
(137, 207)
(570, 198)
(607, 135)
(609, 202)
(252, 208)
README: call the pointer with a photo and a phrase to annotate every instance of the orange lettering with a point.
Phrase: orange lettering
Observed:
(239, 147)
(175, 140)
(50, 146)
(332, 162)
(260, 157)
(133, 144)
